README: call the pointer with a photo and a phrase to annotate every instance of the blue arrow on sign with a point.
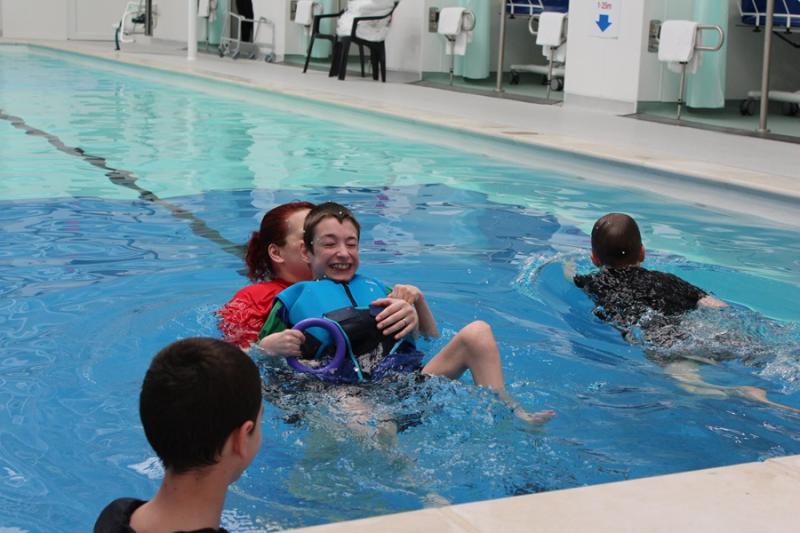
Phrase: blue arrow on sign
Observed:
(603, 23)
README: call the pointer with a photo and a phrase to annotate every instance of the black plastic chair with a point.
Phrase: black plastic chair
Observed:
(377, 50)
(317, 34)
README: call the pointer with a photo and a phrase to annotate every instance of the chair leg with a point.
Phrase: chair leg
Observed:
(308, 54)
(334, 70)
(361, 57)
(344, 51)
(383, 62)
(375, 59)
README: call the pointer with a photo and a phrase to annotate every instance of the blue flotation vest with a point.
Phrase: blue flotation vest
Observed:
(348, 303)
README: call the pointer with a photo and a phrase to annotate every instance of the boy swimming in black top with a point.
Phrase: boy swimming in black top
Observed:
(622, 289)
(628, 295)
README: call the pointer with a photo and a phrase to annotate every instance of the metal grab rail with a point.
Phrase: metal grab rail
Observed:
(551, 62)
(719, 31)
(698, 48)
(451, 38)
(470, 14)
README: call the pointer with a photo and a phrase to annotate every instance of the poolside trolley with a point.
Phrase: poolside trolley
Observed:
(531, 8)
(550, 30)
(134, 20)
(232, 44)
(678, 46)
(786, 17)
(455, 25)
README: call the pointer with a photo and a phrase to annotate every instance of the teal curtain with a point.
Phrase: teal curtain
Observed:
(475, 64)
(706, 87)
(215, 28)
(322, 48)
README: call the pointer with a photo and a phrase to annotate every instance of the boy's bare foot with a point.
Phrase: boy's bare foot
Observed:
(434, 500)
(760, 395)
(534, 419)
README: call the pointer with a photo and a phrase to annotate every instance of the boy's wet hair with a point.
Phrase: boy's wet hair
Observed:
(616, 240)
(320, 213)
(196, 392)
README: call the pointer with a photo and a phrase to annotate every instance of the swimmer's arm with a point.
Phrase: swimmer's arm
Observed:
(286, 343)
(414, 296)
(275, 339)
(711, 302)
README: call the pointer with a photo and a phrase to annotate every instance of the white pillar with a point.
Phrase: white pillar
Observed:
(191, 39)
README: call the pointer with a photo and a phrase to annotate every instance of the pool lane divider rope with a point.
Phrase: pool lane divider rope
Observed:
(125, 178)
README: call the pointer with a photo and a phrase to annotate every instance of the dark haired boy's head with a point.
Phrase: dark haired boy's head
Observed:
(197, 392)
(320, 213)
(331, 235)
(616, 241)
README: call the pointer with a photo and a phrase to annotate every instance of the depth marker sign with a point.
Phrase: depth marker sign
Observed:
(606, 18)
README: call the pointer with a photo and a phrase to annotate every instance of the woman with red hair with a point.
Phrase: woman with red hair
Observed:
(273, 263)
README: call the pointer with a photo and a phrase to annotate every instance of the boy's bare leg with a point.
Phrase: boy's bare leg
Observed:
(688, 374)
(474, 348)
(359, 416)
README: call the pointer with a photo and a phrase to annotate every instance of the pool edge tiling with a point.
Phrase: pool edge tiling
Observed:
(746, 497)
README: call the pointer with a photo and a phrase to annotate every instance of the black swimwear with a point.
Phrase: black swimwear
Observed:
(624, 295)
(116, 518)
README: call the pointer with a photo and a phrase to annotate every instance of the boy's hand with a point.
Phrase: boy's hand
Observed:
(409, 293)
(569, 269)
(399, 318)
(711, 302)
(286, 343)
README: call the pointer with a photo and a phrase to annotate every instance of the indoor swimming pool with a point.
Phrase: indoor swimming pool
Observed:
(126, 196)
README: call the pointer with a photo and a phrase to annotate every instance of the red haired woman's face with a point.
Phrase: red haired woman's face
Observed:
(288, 260)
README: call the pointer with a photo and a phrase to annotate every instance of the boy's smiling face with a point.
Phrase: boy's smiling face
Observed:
(335, 253)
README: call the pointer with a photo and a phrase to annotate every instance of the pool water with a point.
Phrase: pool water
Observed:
(126, 195)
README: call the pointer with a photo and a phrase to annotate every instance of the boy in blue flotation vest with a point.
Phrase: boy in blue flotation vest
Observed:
(379, 324)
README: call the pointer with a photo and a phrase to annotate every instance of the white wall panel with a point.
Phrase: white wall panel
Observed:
(35, 19)
(600, 69)
(93, 19)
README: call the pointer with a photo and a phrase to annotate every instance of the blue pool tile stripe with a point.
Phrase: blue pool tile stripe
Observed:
(127, 179)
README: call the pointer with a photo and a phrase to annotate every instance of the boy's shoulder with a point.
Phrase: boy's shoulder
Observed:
(635, 275)
(116, 516)
(630, 290)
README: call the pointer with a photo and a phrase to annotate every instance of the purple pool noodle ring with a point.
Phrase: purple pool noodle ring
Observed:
(338, 338)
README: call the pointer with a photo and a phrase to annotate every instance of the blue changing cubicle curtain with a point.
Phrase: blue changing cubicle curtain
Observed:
(706, 87)
(215, 27)
(322, 48)
(475, 64)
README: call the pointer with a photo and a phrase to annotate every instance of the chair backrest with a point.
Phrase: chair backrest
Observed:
(373, 30)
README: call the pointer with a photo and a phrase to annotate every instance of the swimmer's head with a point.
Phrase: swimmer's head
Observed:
(331, 234)
(274, 250)
(616, 241)
(198, 394)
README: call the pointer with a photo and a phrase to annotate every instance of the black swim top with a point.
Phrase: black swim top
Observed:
(624, 295)
(116, 518)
